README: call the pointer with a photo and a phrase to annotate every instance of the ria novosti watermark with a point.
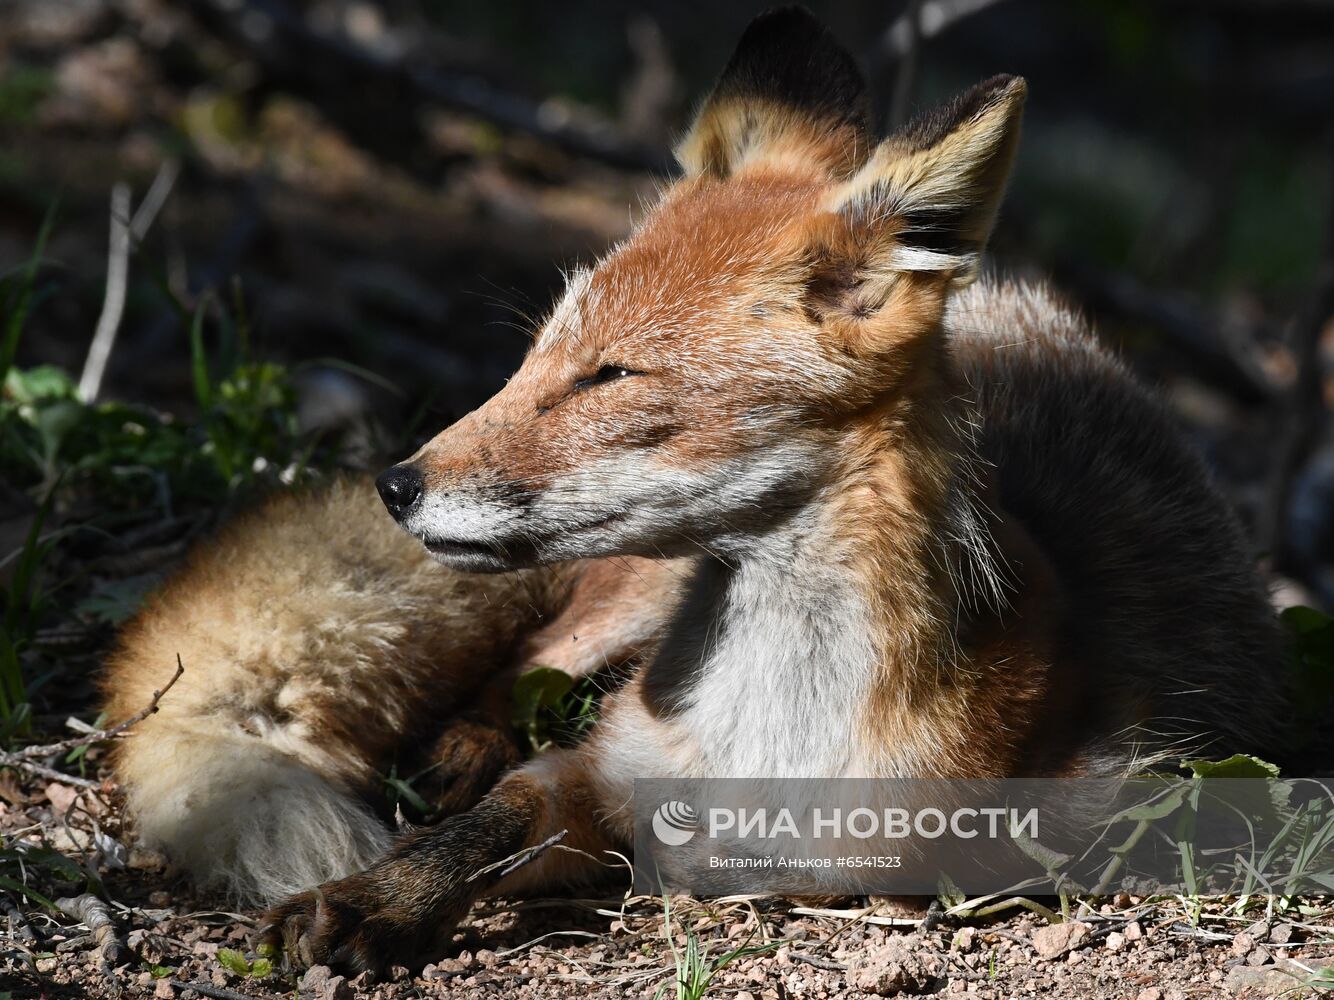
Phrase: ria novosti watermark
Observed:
(675, 823)
(862, 836)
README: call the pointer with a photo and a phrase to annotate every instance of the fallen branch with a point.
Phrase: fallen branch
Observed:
(19, 929)
(542, 937)
(89, 910)
(209, 990)
(26, 757)
(41, 770)
(970, 912)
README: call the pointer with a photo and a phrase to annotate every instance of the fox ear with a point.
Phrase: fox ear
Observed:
(790, 93)
(927, 198)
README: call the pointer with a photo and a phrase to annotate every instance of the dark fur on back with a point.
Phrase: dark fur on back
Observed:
(1165, 606)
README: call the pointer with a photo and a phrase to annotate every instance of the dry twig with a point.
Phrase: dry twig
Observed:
(863, 916)
(50, 773)
(113, 304)
(827, 964)
(154, 199)
(26, 757)
(208, 990)
(126, 233)
(20, 930)
(519, 858)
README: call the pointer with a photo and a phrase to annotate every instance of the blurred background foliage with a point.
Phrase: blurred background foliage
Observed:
(349, 214)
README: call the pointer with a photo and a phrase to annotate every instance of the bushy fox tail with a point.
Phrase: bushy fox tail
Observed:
(319, 644)
(241, 815)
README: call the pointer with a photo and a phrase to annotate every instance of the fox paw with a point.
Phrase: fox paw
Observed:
(467, 760)
(362, 923)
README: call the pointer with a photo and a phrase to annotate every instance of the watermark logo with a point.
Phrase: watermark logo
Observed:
(675, 823)
(859, 836)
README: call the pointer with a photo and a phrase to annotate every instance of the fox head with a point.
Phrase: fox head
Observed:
(691, 389)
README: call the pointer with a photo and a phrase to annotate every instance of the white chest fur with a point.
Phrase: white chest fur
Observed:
(783, 686)
(770, 668)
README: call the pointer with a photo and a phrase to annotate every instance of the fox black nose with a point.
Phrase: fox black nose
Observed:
(399, 487)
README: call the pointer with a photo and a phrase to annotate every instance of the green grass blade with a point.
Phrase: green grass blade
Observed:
(15, 886)
(199, 360)
(18, 600)
(18, 312)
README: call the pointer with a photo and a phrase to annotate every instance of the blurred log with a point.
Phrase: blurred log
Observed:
(1185, 328)
(377, 100)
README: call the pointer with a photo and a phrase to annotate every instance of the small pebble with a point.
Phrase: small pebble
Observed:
(1258, 956)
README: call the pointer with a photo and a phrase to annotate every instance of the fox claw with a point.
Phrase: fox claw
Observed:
(340, 924)
(362, 923)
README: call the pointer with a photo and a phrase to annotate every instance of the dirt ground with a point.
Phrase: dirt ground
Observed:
(164, 940)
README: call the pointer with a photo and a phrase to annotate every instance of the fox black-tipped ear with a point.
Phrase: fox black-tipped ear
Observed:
(789, 93)
(929, 193)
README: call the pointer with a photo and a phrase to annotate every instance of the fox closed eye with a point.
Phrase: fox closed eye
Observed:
(607, 373)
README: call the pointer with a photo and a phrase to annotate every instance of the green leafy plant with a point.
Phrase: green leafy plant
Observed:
(1322, 979)
(551, 707)
(245, 434)
(399, 788)
(236, 963)
(694, 967)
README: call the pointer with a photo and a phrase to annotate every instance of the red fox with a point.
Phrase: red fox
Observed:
(837, 506)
